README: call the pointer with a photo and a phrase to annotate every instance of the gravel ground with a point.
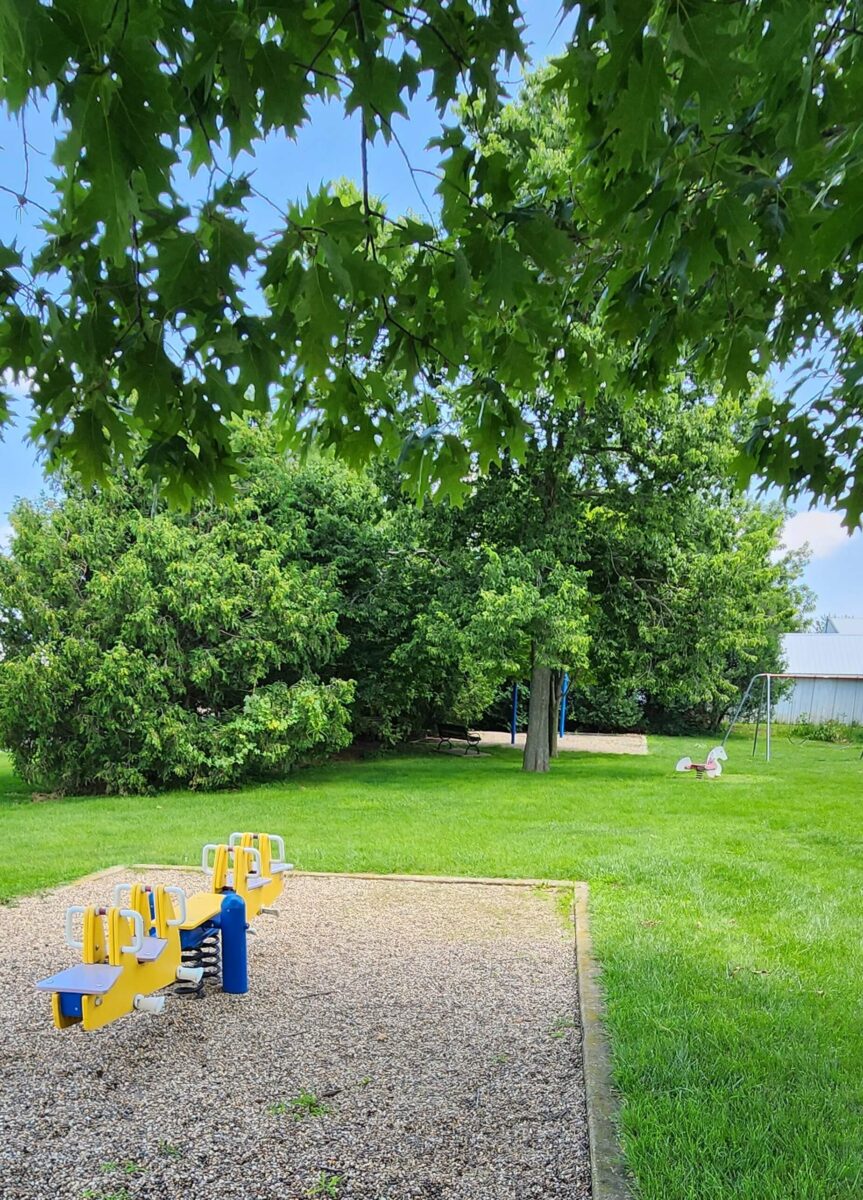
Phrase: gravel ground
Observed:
(436, 1023)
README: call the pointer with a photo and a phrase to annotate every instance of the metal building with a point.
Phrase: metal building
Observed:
(844, 625)
(833, 664)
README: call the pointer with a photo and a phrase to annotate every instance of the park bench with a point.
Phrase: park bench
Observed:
(448, 733)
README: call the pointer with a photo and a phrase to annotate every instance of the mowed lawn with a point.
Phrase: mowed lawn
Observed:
(728, 917)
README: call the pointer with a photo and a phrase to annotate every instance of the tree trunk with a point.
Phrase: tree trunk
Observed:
(554, 698)
(536, 746)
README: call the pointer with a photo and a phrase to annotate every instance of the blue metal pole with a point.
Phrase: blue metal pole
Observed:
(514, 713)
(235, 970)
(564, 690)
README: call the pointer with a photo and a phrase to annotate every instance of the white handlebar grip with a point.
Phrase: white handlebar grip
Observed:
(205, 856)
(180, 904)
(137, 943)
(117, 893)
(71, 912)
(235, 839)
(279, 843)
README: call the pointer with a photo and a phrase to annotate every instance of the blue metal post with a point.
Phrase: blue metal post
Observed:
(564, 690)
(514, 713)
(235, 971)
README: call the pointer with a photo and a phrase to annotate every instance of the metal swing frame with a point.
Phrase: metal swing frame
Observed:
(766, 678)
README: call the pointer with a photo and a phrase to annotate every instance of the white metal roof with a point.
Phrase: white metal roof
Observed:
(823, 654)
(846, 626)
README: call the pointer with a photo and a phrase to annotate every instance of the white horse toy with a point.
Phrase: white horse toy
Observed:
(711, 768)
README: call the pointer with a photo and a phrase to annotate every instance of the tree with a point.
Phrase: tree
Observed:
(532, 611)
(451, 621)
(682, 587)
(148, 649)
(532, 608)
(694, 214)
(693, 603)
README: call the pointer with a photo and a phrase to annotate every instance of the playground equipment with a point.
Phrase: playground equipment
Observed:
(711, 768)
(841, 684)
(561, 716)
(135, 947)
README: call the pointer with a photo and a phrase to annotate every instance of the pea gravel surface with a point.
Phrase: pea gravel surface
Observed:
(398, 1040)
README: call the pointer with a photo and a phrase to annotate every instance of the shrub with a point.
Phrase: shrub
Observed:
(144, 651)
(832, 730)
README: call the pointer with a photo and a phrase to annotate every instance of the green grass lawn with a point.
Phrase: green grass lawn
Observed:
(727, 917)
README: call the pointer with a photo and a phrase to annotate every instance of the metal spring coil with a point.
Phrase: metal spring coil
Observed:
(208, 954)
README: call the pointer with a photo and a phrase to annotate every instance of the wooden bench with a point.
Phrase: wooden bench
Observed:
(448, 734)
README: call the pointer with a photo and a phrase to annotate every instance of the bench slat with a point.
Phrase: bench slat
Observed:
(459, 732)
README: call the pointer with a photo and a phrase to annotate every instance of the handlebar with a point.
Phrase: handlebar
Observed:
(210, 847)
(256, 856)
(180, 899)
(71, 912)
(137, 943)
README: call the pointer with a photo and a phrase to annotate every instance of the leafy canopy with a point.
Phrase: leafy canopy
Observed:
(684, 591)
(134, 319)
(704, 205)
(716, 171)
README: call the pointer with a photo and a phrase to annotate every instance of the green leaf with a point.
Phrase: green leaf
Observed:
(549, 247)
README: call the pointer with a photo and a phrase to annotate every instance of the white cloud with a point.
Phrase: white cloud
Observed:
(5, 535)
(823, 531)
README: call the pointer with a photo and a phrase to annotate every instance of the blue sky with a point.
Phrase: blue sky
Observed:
(329, 148)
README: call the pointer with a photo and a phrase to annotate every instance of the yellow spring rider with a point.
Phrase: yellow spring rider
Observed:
(139, 945)
(251, 864)
(141, 954)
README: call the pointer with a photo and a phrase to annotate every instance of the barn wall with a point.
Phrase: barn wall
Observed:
(822, 700)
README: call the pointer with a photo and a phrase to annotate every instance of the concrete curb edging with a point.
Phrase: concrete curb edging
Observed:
(607, 1165)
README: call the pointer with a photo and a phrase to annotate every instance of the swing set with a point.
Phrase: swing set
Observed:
(764, 710)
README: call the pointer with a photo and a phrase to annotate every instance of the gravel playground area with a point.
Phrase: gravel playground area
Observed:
(435, 1024)
(589, 743)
